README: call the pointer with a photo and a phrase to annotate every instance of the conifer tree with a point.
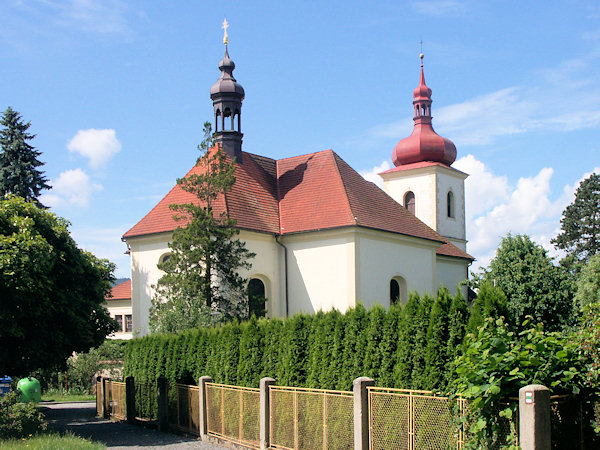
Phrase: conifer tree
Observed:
(201, 284)
(490, 302)
(406, 342)
(388, 346)
(317, 350)
(19, 173)
(436, 358)
(419, 375)
(374, 336)
(458, 318)
(251, 346)
(333, 367)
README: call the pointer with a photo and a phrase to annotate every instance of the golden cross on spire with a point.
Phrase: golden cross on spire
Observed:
(225, 37)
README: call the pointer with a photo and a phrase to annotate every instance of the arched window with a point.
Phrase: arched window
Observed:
(164, 258)
(409, 201)
(398, 290)
(256, 297)
(450, 204)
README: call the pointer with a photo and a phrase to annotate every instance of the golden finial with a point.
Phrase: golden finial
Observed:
(421, 56)
(225, 37)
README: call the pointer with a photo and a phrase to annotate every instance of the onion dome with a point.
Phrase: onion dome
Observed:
(227, 84)
(424, 144)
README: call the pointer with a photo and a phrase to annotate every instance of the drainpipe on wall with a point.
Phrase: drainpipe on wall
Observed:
(285, 250)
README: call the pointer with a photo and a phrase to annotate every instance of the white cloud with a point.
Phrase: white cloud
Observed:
(71, 188)
(373, 174)
(97, 145)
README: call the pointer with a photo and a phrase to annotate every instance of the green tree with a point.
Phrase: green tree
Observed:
(436, 356)
(532, 284)
(580, 223)
(19, 161)
(458, 318)
(202, 284)
(52, 293)
(490, 302)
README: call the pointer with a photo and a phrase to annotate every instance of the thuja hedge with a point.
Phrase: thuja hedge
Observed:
(405, 347)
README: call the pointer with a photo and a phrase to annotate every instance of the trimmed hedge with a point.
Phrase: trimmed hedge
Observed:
(404, 347)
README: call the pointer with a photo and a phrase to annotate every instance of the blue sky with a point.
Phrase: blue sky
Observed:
(117, 92)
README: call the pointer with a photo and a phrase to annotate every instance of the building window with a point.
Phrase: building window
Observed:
(398, 291)
(119, 320)
(450, 204)
(165, 258)
(128, 323)
(409, 201)
(256, 298)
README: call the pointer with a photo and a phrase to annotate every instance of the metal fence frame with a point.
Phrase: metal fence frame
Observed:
(242, 437)
(327, 396)
(118, 403)
(189, 396)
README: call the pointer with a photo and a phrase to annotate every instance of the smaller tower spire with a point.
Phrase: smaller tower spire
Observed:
(227, 96)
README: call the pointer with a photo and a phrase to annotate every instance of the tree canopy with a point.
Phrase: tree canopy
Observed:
(533, 285)
(52, 293)
(19, 161)
(580, 223)
(202, 284)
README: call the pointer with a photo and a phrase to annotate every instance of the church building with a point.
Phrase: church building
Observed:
(323, 236)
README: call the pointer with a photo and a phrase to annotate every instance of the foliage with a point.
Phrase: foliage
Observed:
(201, 285)
(580, 223)
(19, 159)
(533, 285)
(490, 302)
(18, 420)
(497, 362)
(325, 350)
(458, 317)
(588, 297)
(51, 292)
(67, 441)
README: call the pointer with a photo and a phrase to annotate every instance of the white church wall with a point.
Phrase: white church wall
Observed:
(266, 266)
(382, 256)
(452, 227)
(146, 252)
(422, 184)
(320, 271)
(450, 272)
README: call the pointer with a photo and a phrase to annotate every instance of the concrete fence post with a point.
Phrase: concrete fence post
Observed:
(203, 407)
(130, 399)
(161, 388)
(534, 417)
(265, 412)
(361, 412)
(105, 399)
(99, 396)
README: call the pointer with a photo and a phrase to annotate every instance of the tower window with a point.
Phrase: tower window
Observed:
(409, 201)
(450, 204)
(256, 298)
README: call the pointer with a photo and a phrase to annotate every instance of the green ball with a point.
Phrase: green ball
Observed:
(31, 390)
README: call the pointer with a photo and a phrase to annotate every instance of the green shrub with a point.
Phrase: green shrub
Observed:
(19, 420)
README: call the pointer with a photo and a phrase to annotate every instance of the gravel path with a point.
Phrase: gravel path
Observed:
(80, 419)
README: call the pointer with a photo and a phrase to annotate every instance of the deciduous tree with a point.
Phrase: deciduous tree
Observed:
(19, 161)
(52, 293)
(532, 284)
(202, 284)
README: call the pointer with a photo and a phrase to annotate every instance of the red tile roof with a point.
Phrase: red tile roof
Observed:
(305, 193)
(417, 165)
(120, 291)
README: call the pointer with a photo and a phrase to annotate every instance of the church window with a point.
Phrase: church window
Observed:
(450, 204)
(409, 201)
(257, 298)
(164, 258)
(398, 291)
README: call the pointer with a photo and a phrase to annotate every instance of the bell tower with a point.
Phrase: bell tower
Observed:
(227, 96)
(423, 180)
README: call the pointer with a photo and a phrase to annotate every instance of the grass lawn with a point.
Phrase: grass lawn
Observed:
(51, 441)
(59, 397)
